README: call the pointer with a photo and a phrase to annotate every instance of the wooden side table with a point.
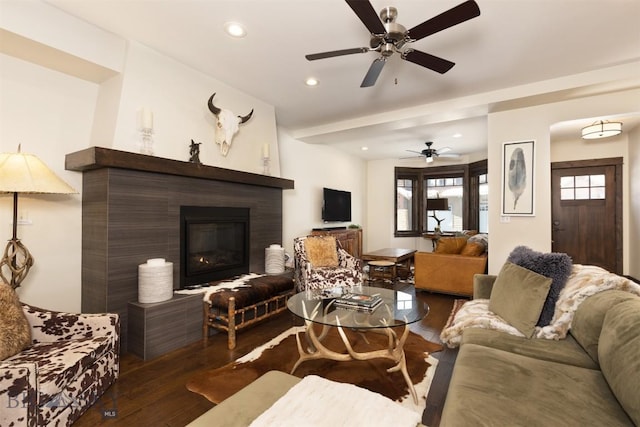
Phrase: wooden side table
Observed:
(385, 270)
(397, 256)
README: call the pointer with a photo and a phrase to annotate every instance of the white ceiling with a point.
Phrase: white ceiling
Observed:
(512, 43)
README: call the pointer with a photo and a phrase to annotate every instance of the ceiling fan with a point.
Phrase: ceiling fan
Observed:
(431, 153)
(389, 37)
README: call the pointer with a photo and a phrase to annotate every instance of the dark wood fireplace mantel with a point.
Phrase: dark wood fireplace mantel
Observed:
(98, 157)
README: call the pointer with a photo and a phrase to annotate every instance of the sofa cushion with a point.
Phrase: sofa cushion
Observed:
(321, 251)
(451, 245)
(566, 351)
(618, 351)
(15, 332)
(518, 295)
(472, 249)
(589, 317)
(476, 245)
(494, 387)
(555, 265)
(60, 362)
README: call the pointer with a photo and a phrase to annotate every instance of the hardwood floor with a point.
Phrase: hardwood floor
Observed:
(153, 393)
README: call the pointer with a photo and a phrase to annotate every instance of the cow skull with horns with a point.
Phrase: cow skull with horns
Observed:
(227, 125)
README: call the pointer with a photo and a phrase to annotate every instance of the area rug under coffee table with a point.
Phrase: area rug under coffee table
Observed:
(281, 354)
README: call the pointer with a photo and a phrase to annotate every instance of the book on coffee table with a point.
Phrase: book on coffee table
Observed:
(361, 308)
(358, 301)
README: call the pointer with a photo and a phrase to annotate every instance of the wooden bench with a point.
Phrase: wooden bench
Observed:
(233, 309)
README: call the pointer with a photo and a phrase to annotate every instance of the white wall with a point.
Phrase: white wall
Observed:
(534, 124)
(50, 114)
(314, 166)
(178, 96)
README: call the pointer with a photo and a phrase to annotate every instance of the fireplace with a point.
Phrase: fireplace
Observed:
(214, 243)
(131, 213)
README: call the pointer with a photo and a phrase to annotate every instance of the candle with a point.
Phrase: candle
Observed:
(147, 119)
(155, 262)
(265, 151)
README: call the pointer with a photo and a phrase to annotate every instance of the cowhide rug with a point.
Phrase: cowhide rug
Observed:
(281, 353)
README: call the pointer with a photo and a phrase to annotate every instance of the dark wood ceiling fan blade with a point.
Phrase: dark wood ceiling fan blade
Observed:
(332, 53)
(454, 16)
(374, 71)
(427, 60)
(367, 15)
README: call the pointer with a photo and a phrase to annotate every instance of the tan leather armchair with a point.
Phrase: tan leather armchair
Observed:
(447, 273)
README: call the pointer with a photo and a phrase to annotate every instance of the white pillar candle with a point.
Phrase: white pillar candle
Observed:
(266, 151)
(147, 118)
(156, 261)
(274, 259)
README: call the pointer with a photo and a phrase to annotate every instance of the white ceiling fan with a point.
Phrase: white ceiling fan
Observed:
(431, 153)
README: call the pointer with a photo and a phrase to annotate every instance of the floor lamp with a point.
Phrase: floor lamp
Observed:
(24, 173)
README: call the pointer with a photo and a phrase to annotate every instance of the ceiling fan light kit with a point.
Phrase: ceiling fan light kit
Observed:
(389, 37)
(601, 129)
(430, 154)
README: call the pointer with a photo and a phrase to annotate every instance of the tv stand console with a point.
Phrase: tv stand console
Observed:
(350, 238)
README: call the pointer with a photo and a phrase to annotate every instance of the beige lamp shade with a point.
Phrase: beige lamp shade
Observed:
(25, 173)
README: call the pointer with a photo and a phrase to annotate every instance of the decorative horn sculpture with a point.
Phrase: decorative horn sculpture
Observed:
(243, 119)
(216, 111)
(227, 125)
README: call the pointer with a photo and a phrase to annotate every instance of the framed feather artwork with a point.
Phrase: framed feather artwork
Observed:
(518, 178)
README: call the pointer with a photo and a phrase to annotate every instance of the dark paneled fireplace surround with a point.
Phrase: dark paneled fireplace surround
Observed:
(131, 212)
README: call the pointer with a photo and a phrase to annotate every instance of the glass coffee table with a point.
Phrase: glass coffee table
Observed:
(391, 318)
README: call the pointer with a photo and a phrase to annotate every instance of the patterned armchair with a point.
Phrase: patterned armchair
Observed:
(71, 361)
(321, 263)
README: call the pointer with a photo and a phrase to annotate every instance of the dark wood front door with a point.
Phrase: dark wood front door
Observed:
(586, 210)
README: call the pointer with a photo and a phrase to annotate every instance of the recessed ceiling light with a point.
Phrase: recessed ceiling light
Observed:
(235, 30)
(457, 135)
(364, 148)
(311, 81)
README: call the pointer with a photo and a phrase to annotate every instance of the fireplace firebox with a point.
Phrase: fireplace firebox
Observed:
(214, 244)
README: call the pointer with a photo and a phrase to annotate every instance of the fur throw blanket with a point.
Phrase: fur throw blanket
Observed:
(584, 281)
(316, 401)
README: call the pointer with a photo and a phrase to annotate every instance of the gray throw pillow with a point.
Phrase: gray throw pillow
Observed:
(554, 265)
(518, 295)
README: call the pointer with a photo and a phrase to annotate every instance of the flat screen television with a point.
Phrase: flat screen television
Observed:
(336, 205)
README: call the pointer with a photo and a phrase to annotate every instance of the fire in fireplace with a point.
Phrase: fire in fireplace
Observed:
(214, 244)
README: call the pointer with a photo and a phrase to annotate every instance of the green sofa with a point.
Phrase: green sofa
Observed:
(592, 377)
